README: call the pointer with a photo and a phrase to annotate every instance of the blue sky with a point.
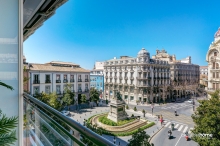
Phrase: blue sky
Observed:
(85, 31)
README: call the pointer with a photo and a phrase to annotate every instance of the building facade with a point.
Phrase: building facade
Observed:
(184, 76)
(204, 75)
(137, 78)
(213, 59)
(54, 76)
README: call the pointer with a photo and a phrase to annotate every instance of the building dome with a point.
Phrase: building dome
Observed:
(217, 34)
(143, 52)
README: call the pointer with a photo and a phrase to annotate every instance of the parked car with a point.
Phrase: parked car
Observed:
(64, 112)
(190, 101)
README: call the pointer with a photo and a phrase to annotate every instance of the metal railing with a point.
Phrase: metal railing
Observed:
(72, 124)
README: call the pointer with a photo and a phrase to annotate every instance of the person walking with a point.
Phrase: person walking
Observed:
(161, 119)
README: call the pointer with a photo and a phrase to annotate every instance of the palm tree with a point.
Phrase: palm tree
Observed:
(7, 134)
(7, 86)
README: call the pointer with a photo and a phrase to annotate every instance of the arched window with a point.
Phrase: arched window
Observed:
(213, 65)
(215, 53)
(217, 66)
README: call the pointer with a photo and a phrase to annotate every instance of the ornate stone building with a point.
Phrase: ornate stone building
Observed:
(137, 78)
(183, 74)
(213, 59)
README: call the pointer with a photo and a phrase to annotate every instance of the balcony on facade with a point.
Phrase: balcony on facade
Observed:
(58, 81)
(47, 81)
(79, 80)
(58, 92)
(65, 81)
(71, 80)
(36, 81)
(86, 80)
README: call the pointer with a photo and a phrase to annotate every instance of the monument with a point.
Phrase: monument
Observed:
(117, 108)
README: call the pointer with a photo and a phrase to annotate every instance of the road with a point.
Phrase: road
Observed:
(178, 139)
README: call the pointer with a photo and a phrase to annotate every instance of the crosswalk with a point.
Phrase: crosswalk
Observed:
(179, 127)
(177, 106)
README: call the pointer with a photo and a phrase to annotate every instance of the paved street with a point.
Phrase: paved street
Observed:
(178, 139)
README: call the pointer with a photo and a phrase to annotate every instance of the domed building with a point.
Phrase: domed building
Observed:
(139, 79)
(213, 59)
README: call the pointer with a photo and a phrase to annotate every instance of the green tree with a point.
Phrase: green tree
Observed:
(53, 101)
(68, 97)
(139, 139)
(7, 134)
(135, 109)
(7, 86)
(207, 119)
(83, 99)
(94, 95)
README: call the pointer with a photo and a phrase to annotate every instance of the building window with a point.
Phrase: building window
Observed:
(79, 78)
(101, 84)
(213, 86)
(71, 78)
(48, 79)
(131, 97)
(36, 79)
(213, 75)
(215, 53)
(36, 90)
(47, 89)
(126, 96)
(58, 79)
(72, 87)
(65, 79)
(58, 89)
(217, 66)
(79, 88)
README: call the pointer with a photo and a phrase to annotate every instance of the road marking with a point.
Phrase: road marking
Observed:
(167, 124)
(176, 125)
(179, 139)
(185, 129)
(180, 128)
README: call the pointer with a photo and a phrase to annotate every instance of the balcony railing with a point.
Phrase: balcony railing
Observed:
(48, 81)
(86, 90)
(65, 81)
(79, 80)
(50, 131)
(58, 81)
(72, 80)
(58, 92)
(79, 90)
(86, 80)
(36, 81)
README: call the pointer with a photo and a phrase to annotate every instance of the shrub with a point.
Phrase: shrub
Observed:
(135, 109)
(132, 115)
(105, 120)
(106, 101)
(143, 111)
(127, 107)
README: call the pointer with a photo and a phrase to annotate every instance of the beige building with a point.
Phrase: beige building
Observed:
(204, 75)
(213, 59)
(53, 77)
(137, 78)
(183, 74)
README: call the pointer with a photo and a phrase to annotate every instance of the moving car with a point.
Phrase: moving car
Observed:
(64, 112)
(190, 101)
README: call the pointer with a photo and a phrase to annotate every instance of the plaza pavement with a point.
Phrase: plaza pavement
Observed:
(88, 112)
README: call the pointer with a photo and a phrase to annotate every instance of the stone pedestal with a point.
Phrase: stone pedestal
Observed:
(117, 110)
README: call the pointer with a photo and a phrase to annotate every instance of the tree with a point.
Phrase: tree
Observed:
(53, 101)
(7, 86)
(139, 139)
(7, 134)
(94, 95)
(68, 97)
(135, 109)
(83, 99)
(207, 119)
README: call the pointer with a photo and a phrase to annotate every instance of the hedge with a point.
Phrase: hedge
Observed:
(105, 120)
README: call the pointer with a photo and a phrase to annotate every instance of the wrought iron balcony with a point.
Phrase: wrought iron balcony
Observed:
(65, 81)
(36, 81)
(86, 90)
(47, 81)
(58, 92)
(79, 80)
(71, 80)
(79, 90)
(149, 78)
(86, 80)
(58, 81)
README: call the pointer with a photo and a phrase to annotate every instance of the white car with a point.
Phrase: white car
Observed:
(66, 113)
(190, 101)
